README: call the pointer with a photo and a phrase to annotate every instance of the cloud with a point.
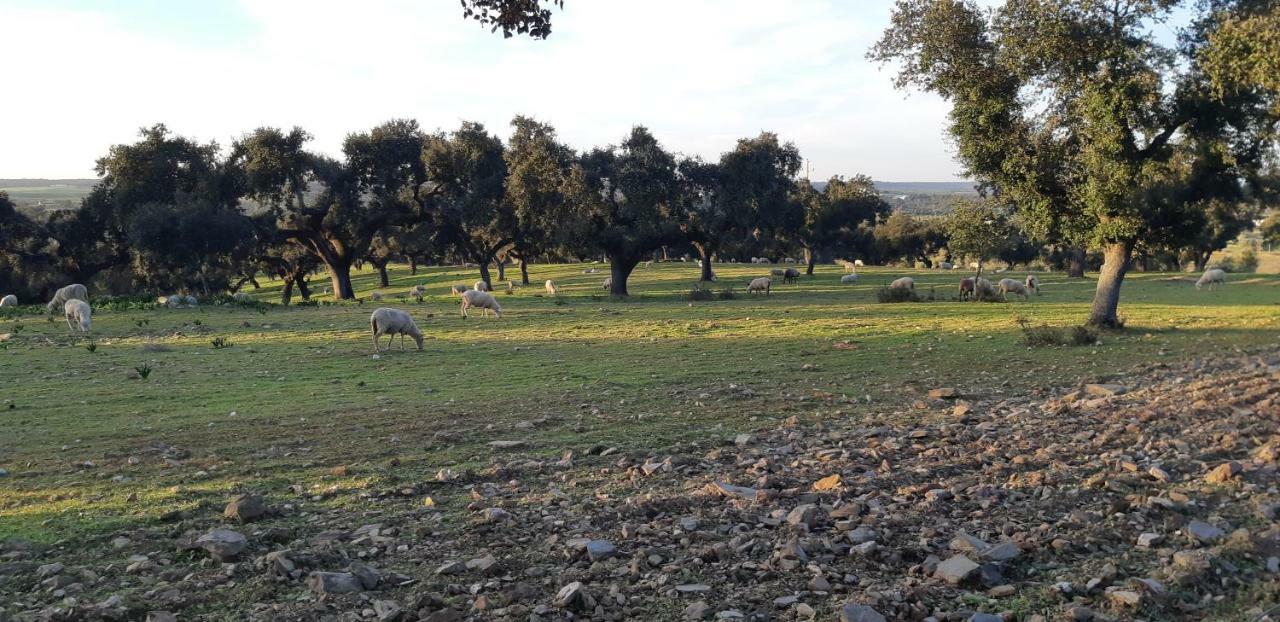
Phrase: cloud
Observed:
(699, 74)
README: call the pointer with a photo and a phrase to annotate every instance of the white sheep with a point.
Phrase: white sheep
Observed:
(392, 322)
(905, 282)
(458, 289)
(240, 297)
(552, 290)
(858, 263)
(480, 300)
(788, 260)
(1212, 277)
(758, 285)
(945, 265)
(1032, 284)
(78, 315)
(74, 291)
(375, 296)
(417, 292)
(481, 286)
(1011, 286)
(777, 272)
(848, 265)
(983, 289)
(607, 284)
(9, 301)
(849, 279)
(173, 301)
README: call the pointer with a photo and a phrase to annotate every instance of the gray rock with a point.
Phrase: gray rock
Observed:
(805, 514)
(334, 583)
(1148, 540)
(369, 577)
(486, 565)
(494, 515)
(854, 612)
(574, 597)
(783, 602)
(985, 617)
(223, 544)
(862, 534)
(599, 550)
(506, 444)
(48, 570)
(454, 567)
(1002, 552)
(693, 588)
(1204, 532)
(387, 610)
(956, 570)
(698, 610)
(161, 616)
(245, 508)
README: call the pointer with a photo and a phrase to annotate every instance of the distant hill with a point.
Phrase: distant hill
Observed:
(47, 193)
(926, 187)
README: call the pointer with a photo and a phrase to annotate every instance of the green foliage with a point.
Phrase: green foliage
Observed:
(700, 294)
(727, 293)
(219, 343)
(1044, 335)
(144, 370)
(138, 302)
(513, 17)
(979, 230)
(91, 347)
(902, 237)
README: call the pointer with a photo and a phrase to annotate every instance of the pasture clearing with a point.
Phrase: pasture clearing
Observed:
(298, 408)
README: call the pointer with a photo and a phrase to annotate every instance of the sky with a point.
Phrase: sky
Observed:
(82, 75)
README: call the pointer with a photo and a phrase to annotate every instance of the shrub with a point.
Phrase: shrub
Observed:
(143, 370)
(219, 343)
(139, 302)
(1044, 335)
(896, 294)
(91, 347)
(727, 293)
(700, 294)
(1248, 260)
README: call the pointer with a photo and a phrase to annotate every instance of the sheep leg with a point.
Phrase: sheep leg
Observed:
(375, 342)
(70, 326)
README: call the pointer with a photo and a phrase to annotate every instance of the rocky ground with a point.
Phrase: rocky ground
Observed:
(1150, 496)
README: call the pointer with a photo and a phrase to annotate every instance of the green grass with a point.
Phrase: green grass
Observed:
(655, 370)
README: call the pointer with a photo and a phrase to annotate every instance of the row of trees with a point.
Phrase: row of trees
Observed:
(170, 212)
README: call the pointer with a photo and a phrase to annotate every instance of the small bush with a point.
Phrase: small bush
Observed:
(91, 347)
(141, 323)
(727, 293)
(896, 294)
(219, 343)
(140, 302)
(1248, 261)
(1044, 335)
(197, 322)
(143, 370)
(700, 294)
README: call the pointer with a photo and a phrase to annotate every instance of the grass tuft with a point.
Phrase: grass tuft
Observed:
(1045, 335)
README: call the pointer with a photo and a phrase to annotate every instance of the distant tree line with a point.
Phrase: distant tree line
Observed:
(172, 214)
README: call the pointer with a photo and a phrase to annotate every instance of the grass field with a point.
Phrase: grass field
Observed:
(299, 394)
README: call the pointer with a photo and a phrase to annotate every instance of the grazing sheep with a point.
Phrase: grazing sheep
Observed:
(392, 322)
(459, 289)
(1008, 286)
(905, 282)
(983, 289)
(552, 290)
(945, 265)
(790, 275)
(75, 291)
(858, 263)
(759, 285)
(481, 286)
(240, 297)
(607, 284)
(776, 272)
(788, 260)
(78, 315)
(417, 292)
(966, 288)
(9, 301)
(191, 301)
(849, 279)
(1211, 277)
(375, 296)
(848, 266)
(1032, 284)
(480, 300)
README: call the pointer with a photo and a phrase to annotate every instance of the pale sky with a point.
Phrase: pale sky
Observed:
(81, 75)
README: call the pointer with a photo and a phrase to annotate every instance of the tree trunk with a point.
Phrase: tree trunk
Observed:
(810, 258)
(524, 271)
(1075, 263)
(384, 279)
(1107, 297)
(303, 289)
(502, 269)
(704, 252)
(413, 265)
(340, 276)
(286, 292)
(619, 270)
(1202, 260)
(484, 274)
